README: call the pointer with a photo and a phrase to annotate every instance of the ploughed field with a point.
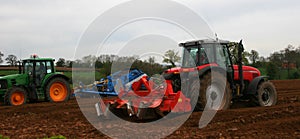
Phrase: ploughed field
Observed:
(50, 119)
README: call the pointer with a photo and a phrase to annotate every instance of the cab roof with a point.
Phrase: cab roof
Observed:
(38, 59)
(204, 41)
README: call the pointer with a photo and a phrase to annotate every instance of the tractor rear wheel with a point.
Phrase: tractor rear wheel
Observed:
(16, 96)
(266, 94)
(214, 92)
(194, 95)
(58, 90)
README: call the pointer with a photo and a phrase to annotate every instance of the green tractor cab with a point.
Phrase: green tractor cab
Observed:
(37, 81)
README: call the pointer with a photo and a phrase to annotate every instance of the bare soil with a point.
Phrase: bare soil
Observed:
(48, 119)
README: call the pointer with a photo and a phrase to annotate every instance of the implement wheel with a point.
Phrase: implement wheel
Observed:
(58, 90)
(16, 96)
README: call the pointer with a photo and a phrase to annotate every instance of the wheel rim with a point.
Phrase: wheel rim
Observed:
(215, 97)
(58, 91)
(17, 98)
(266, 97)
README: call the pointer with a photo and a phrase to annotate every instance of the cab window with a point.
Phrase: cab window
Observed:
(190, 57)
(28, 67)
(49, 67)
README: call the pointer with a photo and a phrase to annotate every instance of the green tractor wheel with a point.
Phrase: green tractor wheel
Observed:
(58, 90)
(16, 96)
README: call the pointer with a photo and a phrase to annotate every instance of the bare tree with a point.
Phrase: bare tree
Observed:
(61, 62)
(151, 60)
(69, 63)
(289, 57)
(171, 57)
(11, 60)
(234, 52)
(89, 61)
(1, 55)
(254, 56)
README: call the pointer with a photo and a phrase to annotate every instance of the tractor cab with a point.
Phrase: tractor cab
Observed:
(37, 69)
(202, 52)
(207, 54)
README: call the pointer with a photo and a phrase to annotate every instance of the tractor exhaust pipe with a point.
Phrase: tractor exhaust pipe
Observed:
(240, 65)
(20, 68)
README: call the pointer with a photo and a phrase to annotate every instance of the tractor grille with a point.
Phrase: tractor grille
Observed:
(3, 84)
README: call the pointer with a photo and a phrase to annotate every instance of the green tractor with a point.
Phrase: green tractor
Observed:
(37, 80)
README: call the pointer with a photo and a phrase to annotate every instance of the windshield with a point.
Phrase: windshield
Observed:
(197, 55)
(189, 58)
(28, 67)
(205, 54)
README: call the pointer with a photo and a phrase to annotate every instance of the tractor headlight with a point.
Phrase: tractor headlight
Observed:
(3, 84)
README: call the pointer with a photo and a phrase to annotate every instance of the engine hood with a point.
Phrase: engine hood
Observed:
(247, 68)
(12, 76)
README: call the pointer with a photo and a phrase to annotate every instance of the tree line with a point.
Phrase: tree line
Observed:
(285, 60)
(105, 62)
(279, 62)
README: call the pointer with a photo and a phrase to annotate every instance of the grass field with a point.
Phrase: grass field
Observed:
(84, 75)
(8, 72)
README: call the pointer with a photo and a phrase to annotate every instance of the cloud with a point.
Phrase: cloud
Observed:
(53, 28)
(48, 28)
(266, 26)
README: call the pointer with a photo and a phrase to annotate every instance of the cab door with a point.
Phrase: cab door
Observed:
(29, 70)
(40, 72)
(224, 61)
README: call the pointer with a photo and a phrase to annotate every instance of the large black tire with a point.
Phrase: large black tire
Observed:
(211, 91)
(58, 90)
(266, 94)
(194, 95)
(16, 96)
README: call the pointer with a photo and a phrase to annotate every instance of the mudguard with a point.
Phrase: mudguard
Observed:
(252, 88)
(202, 71)
(49, 77)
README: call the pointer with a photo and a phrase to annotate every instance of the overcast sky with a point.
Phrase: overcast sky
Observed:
(52, 28)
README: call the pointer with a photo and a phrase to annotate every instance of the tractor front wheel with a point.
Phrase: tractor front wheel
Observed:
(16, 96)
(58, 90)
(266, 94)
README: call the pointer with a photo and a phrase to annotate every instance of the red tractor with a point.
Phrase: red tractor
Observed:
(220, 79)
(207, 79)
